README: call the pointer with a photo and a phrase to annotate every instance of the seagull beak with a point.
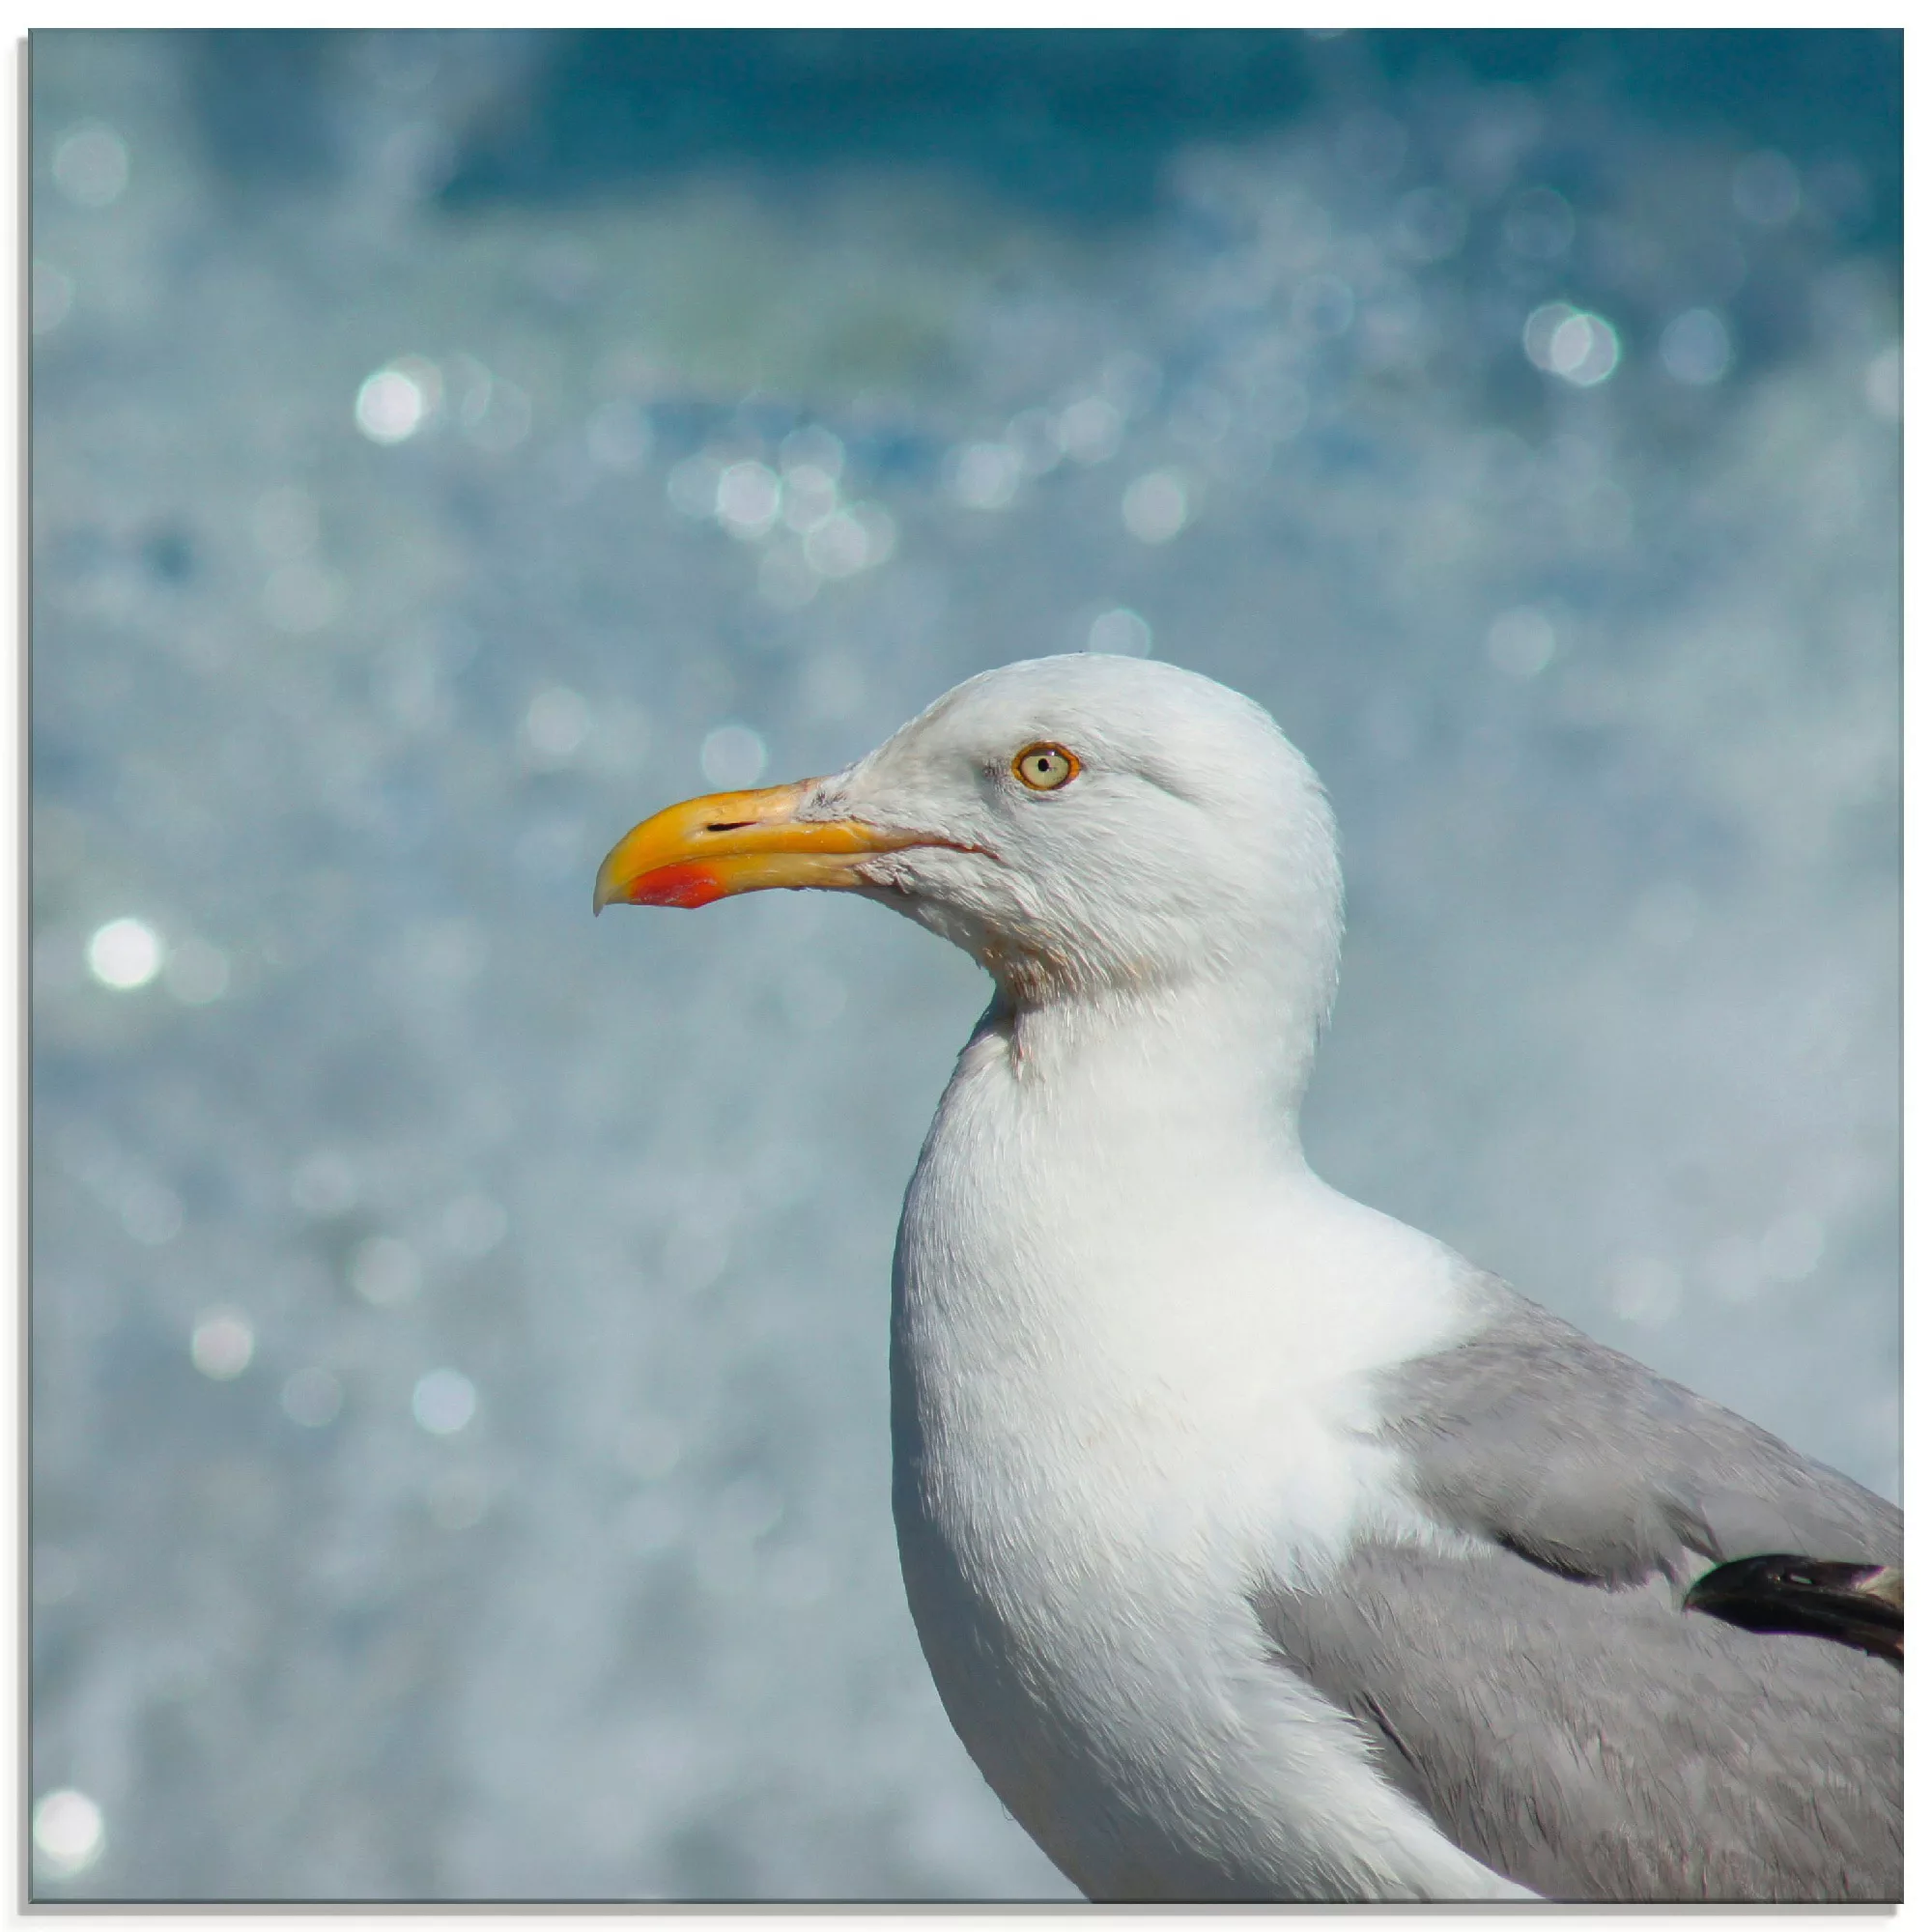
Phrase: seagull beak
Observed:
(738, 841)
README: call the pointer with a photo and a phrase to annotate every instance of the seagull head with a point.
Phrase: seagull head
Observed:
(1082, 825)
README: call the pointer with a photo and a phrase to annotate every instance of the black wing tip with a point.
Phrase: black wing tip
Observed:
(1859, 1604)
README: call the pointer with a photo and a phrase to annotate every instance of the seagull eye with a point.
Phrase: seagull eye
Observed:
(1045, 767)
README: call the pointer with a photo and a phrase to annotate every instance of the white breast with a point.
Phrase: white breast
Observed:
(1122, 1395)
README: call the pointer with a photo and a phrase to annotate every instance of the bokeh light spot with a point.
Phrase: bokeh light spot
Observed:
(1645, 1290)
(151, 1214)
(1088, 430)
(810, 497)
(1034, 436)
(385, 1271)
(812, 448)
(69, 1831)
(1696, 347)
(1765, 189)
(836, 547)
(395, 402)
(445, 1401)
(557, 721)
(53, 297)
(474, 1225)
(860, 538)
(1521, 642)
(691, 486)
(748, 499)
(1571, 343)
(1155, 507)
(1885, 383)
(196, 973)
(91, 165)
(1120, 634)
(312, 1398)
(224, 1344)
(124, 954)
(733, 756)
(985, 475)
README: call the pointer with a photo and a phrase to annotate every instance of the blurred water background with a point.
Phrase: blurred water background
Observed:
(459, 1438)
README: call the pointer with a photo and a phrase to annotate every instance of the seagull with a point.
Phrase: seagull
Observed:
(1261, 1546)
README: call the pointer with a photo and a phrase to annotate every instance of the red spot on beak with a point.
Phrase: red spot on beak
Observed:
(687, 886)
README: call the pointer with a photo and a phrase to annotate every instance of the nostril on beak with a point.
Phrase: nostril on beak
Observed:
(733, 825)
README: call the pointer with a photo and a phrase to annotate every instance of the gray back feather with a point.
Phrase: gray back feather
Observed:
(1584, 1461)
(1545, 1699)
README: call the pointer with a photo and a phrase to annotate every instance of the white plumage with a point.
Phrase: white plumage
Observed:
(1129, 1325)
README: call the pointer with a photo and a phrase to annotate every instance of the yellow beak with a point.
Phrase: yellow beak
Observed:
(738, 841)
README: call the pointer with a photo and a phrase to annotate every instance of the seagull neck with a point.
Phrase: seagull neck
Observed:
(1227, 1054)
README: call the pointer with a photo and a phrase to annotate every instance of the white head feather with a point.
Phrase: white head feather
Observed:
(1194, 846)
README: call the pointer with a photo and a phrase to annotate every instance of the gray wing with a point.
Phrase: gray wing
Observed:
(1545, 1698)
(1584, 1461)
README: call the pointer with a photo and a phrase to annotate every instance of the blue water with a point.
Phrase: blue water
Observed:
(458, 1353)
